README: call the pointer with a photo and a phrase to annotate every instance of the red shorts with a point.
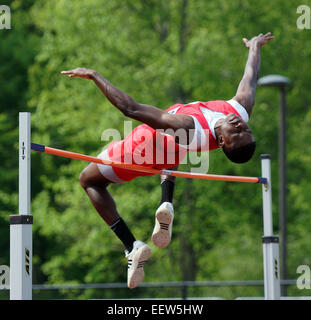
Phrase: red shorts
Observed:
(143, 146)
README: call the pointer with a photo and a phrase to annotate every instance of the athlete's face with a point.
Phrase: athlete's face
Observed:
(235, 132)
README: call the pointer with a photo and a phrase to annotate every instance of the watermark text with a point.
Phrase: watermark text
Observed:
(303, 22)
(303, 282)
(4, 277)
(160, 149)
(5, 17)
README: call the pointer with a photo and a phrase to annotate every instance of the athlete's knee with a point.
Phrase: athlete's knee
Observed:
(90, 177)
(83, 179)
(167, 177)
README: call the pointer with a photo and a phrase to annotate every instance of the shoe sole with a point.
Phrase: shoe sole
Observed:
(141, 257)
(161, 236)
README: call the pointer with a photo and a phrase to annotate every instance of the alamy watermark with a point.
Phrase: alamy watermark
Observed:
(158, 148)
(5, 17)
(303, 22)
(4, 277)
(304, 282)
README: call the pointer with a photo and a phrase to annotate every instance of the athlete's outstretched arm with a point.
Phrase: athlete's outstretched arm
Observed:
(245, 94)
(152, 116)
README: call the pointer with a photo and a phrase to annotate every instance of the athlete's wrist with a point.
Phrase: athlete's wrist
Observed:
(255, 46)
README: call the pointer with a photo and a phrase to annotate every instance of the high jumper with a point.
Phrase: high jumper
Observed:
(207, 126)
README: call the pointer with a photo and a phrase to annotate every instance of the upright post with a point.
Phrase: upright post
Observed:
(21, 224)
(283, 188)
(270, 242)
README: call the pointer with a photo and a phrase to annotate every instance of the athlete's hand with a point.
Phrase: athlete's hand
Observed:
(259, 40)
(80, 72)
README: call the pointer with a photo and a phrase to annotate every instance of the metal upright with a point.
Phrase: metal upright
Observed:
(270, 242)
(21, 224)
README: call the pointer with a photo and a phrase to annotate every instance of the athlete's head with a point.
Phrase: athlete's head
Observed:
(235, 138)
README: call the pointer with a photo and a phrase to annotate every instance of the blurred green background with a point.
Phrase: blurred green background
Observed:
(160, 52)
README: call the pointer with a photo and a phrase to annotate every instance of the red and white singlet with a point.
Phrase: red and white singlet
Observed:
(149, 147)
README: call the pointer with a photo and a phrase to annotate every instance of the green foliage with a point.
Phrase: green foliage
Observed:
(159, 52)
(18, 48)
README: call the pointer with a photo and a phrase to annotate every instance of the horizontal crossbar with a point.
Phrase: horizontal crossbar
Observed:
(135, 167)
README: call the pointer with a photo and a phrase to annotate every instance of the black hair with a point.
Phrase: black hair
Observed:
(241, 154)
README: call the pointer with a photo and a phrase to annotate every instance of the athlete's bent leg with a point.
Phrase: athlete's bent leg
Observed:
(137, 252)
(95, 185)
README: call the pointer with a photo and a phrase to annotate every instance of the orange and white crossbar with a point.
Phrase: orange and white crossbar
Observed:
(135, 167)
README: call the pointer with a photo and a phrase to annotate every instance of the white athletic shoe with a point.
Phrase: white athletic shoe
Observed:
(136, 259)
(162, 232)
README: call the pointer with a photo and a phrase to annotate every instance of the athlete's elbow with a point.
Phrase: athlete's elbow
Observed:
(129, 109)
(126, 111)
